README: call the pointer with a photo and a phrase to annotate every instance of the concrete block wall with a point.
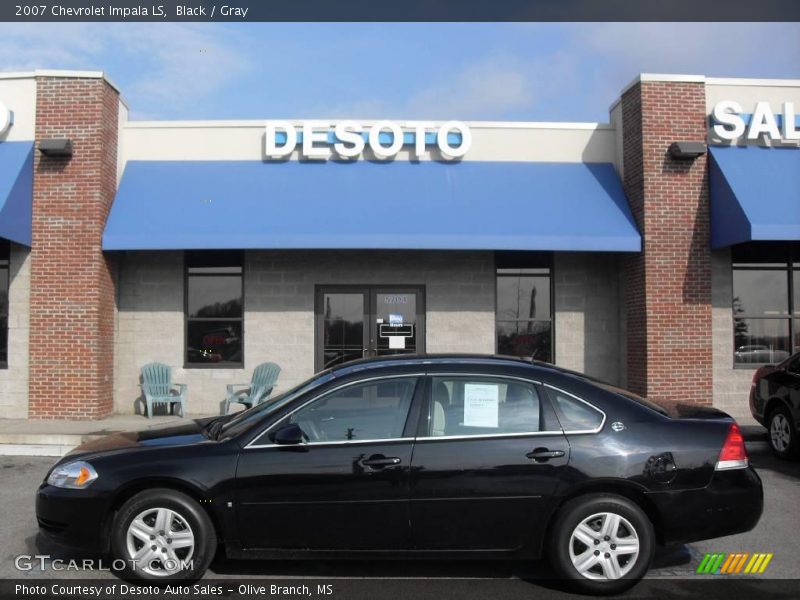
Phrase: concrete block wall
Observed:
(587, 317)
(149, 321)
(14, 379)
(279, 311)
(731, 386)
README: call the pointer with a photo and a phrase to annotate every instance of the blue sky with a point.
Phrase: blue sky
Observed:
(488, 71)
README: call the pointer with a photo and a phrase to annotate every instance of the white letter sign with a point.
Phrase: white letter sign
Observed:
(763, 121)
(349, 139)
(271, 147)
(730, 122)
(730, 125)
(6, 118)
(790, 130)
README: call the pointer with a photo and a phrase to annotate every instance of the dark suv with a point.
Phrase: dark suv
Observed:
(775, 403)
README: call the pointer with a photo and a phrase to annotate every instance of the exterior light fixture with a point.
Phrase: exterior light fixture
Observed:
(687, 150)
(56, 148)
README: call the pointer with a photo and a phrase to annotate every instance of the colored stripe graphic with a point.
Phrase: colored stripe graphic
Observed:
(727, 564)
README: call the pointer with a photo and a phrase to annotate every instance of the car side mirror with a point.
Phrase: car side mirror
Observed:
(289, 435)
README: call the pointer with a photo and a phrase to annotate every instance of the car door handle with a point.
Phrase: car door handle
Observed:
(381, 461)
(543, 454)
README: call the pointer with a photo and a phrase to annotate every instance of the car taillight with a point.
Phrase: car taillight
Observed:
(733, 454)
(756, 376)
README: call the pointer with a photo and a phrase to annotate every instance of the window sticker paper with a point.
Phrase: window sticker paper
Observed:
(481, 404)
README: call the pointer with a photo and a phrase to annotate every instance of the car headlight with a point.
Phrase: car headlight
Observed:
(74, 475)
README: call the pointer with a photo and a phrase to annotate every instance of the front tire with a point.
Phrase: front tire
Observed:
(782, 433)
(601, 544)
(163, 535)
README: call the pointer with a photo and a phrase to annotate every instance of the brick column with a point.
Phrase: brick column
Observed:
(72, 284)
(668, 285)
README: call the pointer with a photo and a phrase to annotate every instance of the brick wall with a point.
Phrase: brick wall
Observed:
(72, 283)
(668, 286)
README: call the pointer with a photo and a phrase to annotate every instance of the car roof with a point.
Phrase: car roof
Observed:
(406, 360)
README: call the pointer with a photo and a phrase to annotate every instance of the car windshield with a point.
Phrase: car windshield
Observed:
(243, 420)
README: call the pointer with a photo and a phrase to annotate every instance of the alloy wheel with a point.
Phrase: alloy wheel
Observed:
(780, 432)
(160, 542)
(604, 546)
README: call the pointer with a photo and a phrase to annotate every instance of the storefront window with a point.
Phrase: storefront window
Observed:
(524, 318)
(766, 302)
(4, 282)
(214, 309)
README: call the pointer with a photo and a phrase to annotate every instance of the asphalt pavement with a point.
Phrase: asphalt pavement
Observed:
(673, 571)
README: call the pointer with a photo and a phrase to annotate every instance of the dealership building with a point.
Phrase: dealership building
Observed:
(659, 251)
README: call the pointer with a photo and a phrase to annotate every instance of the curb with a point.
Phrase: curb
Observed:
(41, 444)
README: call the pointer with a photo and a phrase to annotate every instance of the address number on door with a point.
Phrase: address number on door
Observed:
(396, 299)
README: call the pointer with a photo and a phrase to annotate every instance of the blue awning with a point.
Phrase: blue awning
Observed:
(370, 205)
(755, 194)
(16, 191)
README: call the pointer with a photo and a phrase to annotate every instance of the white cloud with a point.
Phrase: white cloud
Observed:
(698, 48)
(184, 63)
(168, 66)
(494, 85)
(490, 88)
(623, 50)
(530, 71)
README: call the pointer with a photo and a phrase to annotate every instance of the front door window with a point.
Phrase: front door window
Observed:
(376, 410)
(358, 322)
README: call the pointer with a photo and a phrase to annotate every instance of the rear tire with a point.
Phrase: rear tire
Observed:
(601, 544)
(782, 434)
(163, 535)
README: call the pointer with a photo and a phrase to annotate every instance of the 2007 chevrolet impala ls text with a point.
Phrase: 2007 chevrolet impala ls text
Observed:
(415, 456)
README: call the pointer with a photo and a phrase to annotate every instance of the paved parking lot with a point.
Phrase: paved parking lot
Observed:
(775, 533)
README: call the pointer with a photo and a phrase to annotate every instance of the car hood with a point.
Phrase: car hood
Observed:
(182, 434)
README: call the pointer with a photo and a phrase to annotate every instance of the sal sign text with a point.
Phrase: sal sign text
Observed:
(732, 123)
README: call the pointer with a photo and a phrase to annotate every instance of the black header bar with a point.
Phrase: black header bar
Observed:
(402, 10)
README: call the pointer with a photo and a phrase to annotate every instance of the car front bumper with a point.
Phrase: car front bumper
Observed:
(74, 518)
(732, 503)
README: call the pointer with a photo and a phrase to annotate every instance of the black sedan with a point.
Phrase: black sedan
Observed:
(427, 456)
(775, 403)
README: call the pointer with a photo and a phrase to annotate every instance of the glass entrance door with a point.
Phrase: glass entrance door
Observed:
(355, 322)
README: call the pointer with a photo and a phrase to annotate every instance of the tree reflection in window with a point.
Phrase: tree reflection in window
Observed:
(524, 316)
(765, 303)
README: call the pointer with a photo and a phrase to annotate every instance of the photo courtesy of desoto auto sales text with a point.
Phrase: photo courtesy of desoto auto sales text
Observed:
(443, 300)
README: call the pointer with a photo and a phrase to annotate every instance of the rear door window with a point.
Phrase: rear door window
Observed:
(474, 406)
(575, 414)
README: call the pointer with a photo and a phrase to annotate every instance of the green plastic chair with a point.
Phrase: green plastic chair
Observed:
(260, 387)
(158, 388)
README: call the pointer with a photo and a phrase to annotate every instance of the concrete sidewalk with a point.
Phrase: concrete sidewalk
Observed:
(28, 437)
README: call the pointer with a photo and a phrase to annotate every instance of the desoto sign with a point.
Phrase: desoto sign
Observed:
(349, 139)
(732, 123)
(6, 118)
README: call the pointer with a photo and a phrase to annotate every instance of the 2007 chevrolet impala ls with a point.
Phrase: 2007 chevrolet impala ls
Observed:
(415, 456)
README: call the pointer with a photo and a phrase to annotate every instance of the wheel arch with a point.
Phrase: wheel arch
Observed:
(772, 404)
(132, 488)
(619, 487)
